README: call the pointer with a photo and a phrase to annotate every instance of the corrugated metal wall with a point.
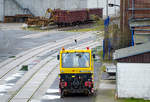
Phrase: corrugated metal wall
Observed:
(1, 10)
(134, 9)
(133, 80)
(38, 7)
(140, 58)
(141, 8)
(11, 8)
(83, 4)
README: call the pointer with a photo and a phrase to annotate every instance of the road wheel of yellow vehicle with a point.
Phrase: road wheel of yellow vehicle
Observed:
(86, 93)
(62, 94)
(94, 93)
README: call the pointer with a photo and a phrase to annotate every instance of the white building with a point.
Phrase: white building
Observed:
(133, 71)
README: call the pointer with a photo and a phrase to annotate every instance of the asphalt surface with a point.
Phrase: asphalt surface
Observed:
(12, 80)
(53, 95)
(15, 40)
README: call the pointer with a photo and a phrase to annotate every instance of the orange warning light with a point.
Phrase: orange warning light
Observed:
(63, 48)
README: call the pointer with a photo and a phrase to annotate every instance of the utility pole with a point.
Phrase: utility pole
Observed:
(97, 4)
(115, 8)
(106, 35)
(106, 8)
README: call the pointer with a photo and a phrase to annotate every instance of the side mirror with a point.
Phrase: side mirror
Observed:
(58, 57)
(93, 55)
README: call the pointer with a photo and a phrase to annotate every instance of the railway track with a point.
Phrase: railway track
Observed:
(26, 52)
(48, 82)
(67, 28)
(28, 55)
(37, 67)
(32, 86)
(77, 27)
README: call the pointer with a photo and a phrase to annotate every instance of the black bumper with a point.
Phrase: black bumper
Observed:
(76, 84)
(76, 90)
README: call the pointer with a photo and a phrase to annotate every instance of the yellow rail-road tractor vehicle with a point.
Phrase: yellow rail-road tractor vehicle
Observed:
(76, 71)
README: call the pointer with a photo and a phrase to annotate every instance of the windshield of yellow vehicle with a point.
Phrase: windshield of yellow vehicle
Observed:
(76, 60)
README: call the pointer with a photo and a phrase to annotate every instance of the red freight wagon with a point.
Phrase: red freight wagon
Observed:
(73, 17)
(97, 11)
(70, 17)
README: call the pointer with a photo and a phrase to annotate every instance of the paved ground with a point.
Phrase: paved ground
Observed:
(106, 91)
(14, 40)
(53, 95)
(107, 88)
(40, 82)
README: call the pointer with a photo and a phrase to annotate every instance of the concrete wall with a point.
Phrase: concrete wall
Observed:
(38, 7)
(133, 80)
(102, 4)
(83, 4)
(11, 8)
(1, 10)
(76, 4)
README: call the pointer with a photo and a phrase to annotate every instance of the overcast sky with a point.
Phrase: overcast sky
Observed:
(102, 4)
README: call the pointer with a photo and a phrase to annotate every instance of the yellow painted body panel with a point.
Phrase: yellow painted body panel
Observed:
(76, 70)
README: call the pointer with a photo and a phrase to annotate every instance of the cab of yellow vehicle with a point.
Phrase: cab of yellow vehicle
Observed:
(76, 71)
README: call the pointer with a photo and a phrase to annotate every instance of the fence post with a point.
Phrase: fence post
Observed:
(103, 49)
